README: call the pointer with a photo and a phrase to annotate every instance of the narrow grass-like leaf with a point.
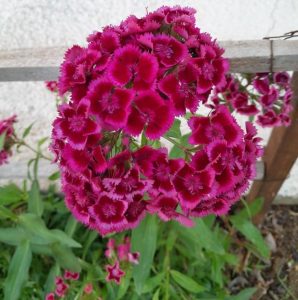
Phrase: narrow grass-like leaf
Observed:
(65, 257)
(12, 236)
(2, 140)
(144, 241)
(27, 130)
(245, 294)
(153, 282)
(18, 271)
(50, 282)
(35, 202)
(186, 282)
(36, 226)
(54, 176)
(252, 233)
(251, 209)
(124, 285)
(207, 238)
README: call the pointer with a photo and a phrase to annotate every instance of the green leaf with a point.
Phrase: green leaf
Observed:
(12, 236)
(184, 140)
(252, 233)
(217, 264)
(2, 140)
(6, 213)
(245, 294)
(207, 238)
(54, 176)
(35, 202)
(71, 226)
(251, 209)
(124, 285)
(152, 283)
(176, 152)
(18, 271)
(144, 241)
(65, 257)
(144, 140)
(156, 295)
(50, 282)
(62, 237)
(174, 131)
(36, 226)
(10, 193)
(27, 130)
(42, 141)
(186, 282)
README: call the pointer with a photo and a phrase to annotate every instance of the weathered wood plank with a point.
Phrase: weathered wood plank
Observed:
(245, 56)
(280, 155)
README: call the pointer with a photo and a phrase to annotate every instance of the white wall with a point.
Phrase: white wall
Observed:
(33, 23)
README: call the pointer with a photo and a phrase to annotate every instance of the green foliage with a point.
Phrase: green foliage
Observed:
(175, 131)
(18, 271)
(143, 240)
(35, 203)
(27, 130)
(10, 194)
(186, 282)
(251, 232)
(2, 140)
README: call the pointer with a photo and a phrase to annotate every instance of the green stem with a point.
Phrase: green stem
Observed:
(23, 143)
(175, 143)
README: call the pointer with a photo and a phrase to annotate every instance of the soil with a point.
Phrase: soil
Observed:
(278, 279)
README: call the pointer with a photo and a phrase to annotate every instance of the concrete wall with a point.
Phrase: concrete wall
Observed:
(33, 23)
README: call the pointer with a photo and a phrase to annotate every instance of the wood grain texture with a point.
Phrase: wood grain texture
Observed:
(39, 64)
(280, 155)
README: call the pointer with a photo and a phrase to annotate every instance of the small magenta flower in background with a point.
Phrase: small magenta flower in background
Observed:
(6, 138)
(114, 272)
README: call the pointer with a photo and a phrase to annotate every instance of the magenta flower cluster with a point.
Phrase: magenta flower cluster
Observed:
(119, 253)
(268, 97)
(6, 138)
(135, 79)
(63, 286)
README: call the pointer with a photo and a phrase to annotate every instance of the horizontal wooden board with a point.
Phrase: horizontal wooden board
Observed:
(39, 64)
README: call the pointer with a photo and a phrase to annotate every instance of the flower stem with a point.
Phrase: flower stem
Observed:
(23, 143)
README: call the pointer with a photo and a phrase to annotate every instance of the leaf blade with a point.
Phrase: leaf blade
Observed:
(18, 271)
(186, 282)
(143, 240)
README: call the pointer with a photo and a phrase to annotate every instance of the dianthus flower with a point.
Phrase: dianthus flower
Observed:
(114, 272)
(127, 87)
(268, 98)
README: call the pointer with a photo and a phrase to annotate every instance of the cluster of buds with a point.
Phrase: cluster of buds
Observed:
(62, 286)
(119, 253)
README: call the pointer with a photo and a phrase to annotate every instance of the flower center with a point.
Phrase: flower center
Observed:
(161, 171)
(109, 210)
(214, 132)
(193, 184)
(77, 123)
(164, 50)
(110, 103)
(129, 184)
(208, 71)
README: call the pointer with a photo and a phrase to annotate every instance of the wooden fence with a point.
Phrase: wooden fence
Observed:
(245, 57)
